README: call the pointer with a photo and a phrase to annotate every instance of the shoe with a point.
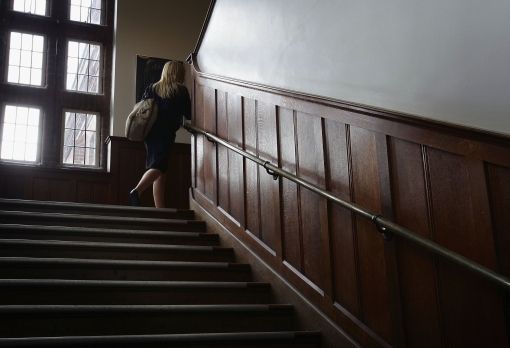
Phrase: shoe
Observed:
(134, 199)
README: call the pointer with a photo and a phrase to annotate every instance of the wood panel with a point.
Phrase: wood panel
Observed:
(198, 119)
(498, 179)
(222, 163)
(446, 184)
(269, 192)
(236, 163)
(310, 159)
(411, 209)
(461, 213)
(209, 157)
(343, 237)
(252, 200)
(375, 306)
(290, 216)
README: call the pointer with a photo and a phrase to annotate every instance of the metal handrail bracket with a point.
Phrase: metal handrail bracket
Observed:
(385, 226)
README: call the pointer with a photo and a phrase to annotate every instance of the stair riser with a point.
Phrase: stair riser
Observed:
(96, 237)
(136, 295)
(13, 271)
(37, 325)
(83, 222)
(103, 253)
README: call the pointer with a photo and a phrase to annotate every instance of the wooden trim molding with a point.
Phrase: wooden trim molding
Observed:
(404, 118)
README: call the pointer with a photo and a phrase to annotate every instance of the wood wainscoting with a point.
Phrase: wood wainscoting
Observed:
(126, 165)
(449, 184)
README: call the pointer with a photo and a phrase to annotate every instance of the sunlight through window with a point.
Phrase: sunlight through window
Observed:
(20, 133)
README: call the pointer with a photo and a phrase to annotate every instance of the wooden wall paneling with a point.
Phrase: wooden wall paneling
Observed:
(417, 270)
(92, 192)
(48, 189)
(222, 162)
(193, 161)
(498, 179)
(131, 168)
(343, 239)
(41, 189)
(252, 206)
(236, 168)
(290, 217)
(267, 143)
(113, 167)
(13, 186)
(471, 308)
(310, 158)
(126, 166)
(178, 178)
(390, 165)
(383, 164)
(374, 291)
(210, 152)
(199, 142)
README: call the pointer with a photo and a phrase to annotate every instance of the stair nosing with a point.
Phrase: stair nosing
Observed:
(126, 263)
(129, 283)
(107, 218)
(112, 245)
(94, 230)
(111, 207)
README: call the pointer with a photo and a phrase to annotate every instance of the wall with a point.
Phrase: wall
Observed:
(155, 28)
(444, 60)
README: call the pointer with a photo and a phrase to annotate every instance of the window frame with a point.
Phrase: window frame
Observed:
(7, 59)
(52, 98)
(101, 65)
(98, 137)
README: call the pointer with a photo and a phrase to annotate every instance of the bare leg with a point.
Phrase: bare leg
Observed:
(147, 179)
(158, 190)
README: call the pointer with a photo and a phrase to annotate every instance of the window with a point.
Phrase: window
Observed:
(80, 138)
(83, 67)
(86, 11)
(26, 55)
(57, 57)
(20, 133)
(37, 7)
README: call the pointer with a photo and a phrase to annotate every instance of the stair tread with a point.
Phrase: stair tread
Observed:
(124, 263)
(128, 283)
(82, 217)
(111, 244)
(111, 207)
(97, 230)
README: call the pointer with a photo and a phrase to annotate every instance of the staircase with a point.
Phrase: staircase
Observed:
(81, 275)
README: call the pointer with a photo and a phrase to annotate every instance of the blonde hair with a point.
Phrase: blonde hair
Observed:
(171, 76)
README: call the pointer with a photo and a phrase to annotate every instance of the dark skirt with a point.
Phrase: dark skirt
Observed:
(158, 152)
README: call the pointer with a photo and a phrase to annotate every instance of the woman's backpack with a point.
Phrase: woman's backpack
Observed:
(141, 119)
